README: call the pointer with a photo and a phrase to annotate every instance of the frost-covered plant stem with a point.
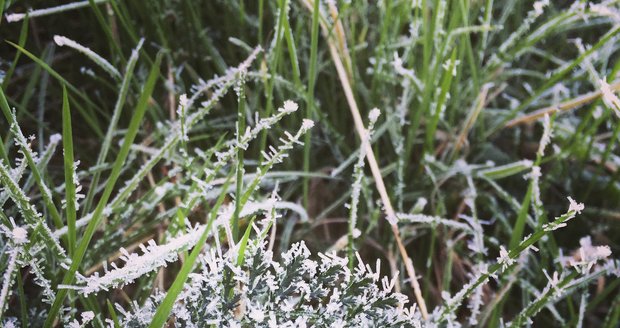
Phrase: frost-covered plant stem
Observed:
(276, 155)
(358, 174)
(116, 114)
(543, 300)
(7, 279)
(239, 170)
(468, 289)
(28, 210)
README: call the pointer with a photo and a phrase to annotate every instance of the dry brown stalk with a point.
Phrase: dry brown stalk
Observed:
(564, 106)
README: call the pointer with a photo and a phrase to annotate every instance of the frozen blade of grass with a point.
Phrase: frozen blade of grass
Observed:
(358, 174)
(533, 192)
(506, 170)
(132, 131)
(527, 313)
(62, 41)
(452, 304)
(16, 17)
(7, 279)
(157, 255)
(70, 198)
(433, 221)
(118, 107)
(443, 95)
(275, 156)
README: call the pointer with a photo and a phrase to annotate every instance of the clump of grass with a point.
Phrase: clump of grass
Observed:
(176, 201)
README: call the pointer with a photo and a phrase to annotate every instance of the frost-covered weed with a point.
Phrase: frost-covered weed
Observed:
(297, 291)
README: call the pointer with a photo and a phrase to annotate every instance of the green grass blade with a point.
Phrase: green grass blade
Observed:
(243, 244)
(112, 312)
(292, 50)
(67, 143)
(240, 171)
(1, 10)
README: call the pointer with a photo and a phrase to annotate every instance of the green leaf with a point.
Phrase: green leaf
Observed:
(67, 143)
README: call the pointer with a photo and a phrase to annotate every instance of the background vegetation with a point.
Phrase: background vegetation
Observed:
(458, 84)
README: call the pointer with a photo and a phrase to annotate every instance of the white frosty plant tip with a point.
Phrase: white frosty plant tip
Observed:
(539, 7)
(546, 136)
(55, 138)
(504, 258)
(588, 255)
(183, 101)
(374, 114)
(20, 235)
(307, 124)
(62, 41)
(574, 206)
(289, 106)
